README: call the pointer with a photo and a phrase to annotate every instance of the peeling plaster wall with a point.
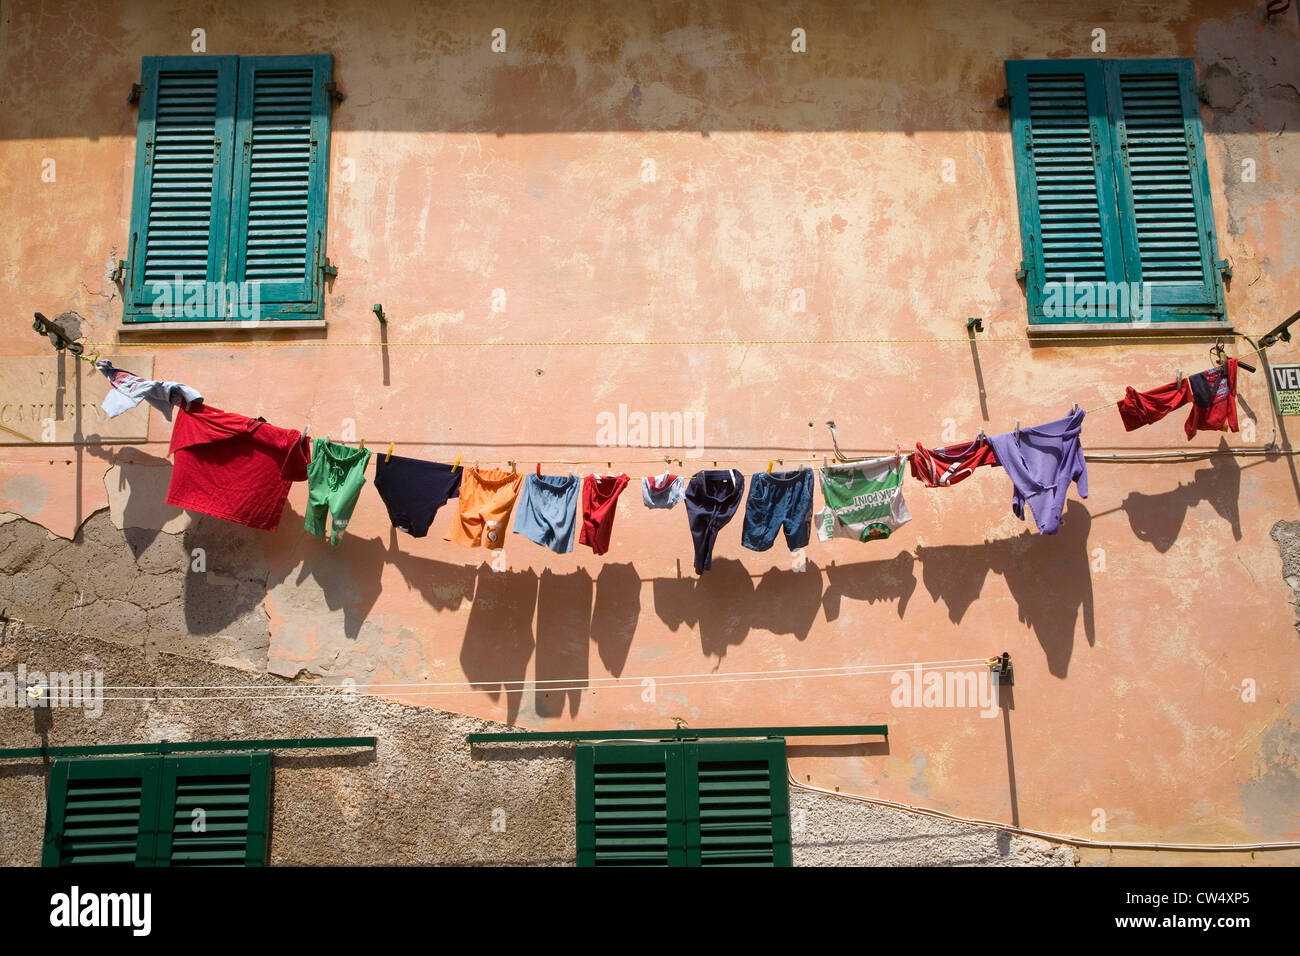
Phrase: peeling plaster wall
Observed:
(473, 172)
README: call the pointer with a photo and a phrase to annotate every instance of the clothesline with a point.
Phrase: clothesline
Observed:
(1129, 339)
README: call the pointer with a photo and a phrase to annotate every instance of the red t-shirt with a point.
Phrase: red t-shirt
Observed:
(234, 467)
(599, 501)
(1214, 405)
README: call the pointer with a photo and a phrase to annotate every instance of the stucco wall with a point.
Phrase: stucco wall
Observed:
(1133, 631)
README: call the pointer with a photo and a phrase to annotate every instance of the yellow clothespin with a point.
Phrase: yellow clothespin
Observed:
(457, 465)
(363, 444)
(389, 456)
(769, 466)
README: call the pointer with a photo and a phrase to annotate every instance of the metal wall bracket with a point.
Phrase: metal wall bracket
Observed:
(57, 336)
(329, 268)
(134, 96)
(1004, 101)
(118, 274)
(379, 313)
(336, 95)
(1224, 267)
(976, 323)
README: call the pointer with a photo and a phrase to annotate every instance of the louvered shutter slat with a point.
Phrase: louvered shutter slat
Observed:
(1163, 205)
(183, 180)
(280, 191)
(214, 810)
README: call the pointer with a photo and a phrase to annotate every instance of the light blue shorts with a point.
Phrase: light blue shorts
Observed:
(547, 512)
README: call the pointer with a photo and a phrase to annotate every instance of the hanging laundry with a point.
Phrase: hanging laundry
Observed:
(778, 501)
(712, 498)
(234, 467)
(129, 390)
(944, 467)
(864, 500)
(1214, 400)
(335, 477)
(483, 511)
(662, 491)
(414, 490)
(1137, 409)
(599, 502)
(1042, 461)
(548, 511)
(1213, 394)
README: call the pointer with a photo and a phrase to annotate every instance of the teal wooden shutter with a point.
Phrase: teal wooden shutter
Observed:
(280, 190)
(214, 810)
(630, 805)
(183, 168)
(1065, 185)
(1165, 214)
(737, 804)
(101, 811)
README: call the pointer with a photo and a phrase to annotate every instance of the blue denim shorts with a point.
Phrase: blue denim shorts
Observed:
(547, 512)
(782, 501)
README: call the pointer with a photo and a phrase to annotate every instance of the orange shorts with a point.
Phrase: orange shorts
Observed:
(486, 500)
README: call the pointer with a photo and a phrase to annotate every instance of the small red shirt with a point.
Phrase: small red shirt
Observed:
(599, 501)
(234, 467)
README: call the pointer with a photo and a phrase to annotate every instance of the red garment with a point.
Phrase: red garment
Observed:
(234, 467)
(1146, 408)
(942, 467)
(599, 500)
(1214, 405)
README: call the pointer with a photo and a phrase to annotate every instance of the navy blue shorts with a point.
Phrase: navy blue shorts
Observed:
(414, 490)
(712, 498)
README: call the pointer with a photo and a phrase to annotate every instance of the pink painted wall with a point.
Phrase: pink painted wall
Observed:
(1131, 631)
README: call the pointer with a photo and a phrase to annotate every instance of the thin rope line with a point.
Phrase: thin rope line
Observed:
(619, 343)
(521, 685)
(562, 680)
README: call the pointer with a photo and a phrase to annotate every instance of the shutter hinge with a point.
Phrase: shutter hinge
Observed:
(1004, 101)
(328, 267)
(118, 274)
(1224, 267)
(336, 95)
(134, 96)
(1022, 271)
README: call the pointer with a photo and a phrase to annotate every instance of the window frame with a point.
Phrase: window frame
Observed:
(1108, 130)
(160, 777)
(229, 232)
(681, 761)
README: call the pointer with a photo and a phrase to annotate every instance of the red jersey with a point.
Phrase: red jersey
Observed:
(234, 467)
(599, 501)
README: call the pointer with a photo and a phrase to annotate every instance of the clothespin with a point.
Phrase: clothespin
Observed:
(512, 466)
(769, 466)
(363, 444)
(306, 430)
(1074, 408)
(539, 469)
(898, 454)
(1178, 382)
(1017, 431)
(457, 465)
(980, 437)
(389, 456)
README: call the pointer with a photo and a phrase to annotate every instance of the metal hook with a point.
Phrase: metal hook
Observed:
(835, 442)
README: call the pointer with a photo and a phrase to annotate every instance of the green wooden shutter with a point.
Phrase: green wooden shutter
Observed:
(214, 810)
(1166, 218)
(101, 811)
(183, 168)
(630, 805)
(280, 190)
(1065, 184)
(737, 804)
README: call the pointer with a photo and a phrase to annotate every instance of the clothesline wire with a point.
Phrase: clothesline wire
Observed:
(618, 343)
(521, 685)
(565, 680)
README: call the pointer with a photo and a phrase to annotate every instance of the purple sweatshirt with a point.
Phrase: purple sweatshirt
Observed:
(1041, 465)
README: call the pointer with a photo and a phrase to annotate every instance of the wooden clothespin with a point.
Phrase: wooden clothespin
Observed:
(1017, 431)
(363, 444)
(389, 455)
(512, 466)
(1074, 408)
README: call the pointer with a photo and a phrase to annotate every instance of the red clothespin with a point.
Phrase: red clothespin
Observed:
(898, 454)
(539, 469)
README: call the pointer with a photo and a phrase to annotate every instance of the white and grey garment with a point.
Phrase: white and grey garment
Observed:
(663, 491)
(129, 390)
